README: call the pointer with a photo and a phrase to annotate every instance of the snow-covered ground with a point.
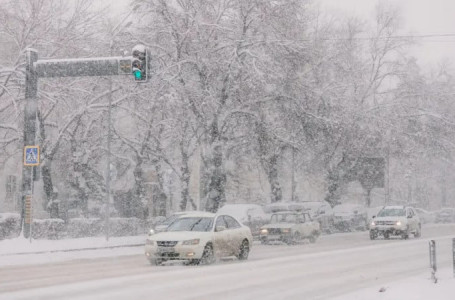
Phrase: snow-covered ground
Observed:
(419, 287)
(312, 265)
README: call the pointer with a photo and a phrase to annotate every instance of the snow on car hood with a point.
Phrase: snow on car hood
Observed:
(178, 235)
(391, 219)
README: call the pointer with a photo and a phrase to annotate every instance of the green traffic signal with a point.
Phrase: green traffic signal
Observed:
(137, 74)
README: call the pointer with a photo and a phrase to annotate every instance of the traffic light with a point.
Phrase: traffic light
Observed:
(140, 63)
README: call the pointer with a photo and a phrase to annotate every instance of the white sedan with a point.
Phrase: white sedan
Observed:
(200, 238)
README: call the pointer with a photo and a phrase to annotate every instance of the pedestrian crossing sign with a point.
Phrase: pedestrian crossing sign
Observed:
(31, 156)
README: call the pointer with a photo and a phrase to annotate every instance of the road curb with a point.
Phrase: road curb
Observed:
(73, 250)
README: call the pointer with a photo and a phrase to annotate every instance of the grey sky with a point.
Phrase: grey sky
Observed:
(420, 17)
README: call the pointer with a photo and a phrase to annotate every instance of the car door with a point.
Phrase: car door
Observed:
(221, 237)
(300, 225)
(235, 234)
(412, 219)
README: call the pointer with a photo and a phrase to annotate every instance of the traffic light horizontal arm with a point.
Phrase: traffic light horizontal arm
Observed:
(97, 66)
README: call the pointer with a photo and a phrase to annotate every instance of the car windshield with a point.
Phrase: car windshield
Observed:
(284, 218)
(169, 220)
(392, 212)
(191, 224)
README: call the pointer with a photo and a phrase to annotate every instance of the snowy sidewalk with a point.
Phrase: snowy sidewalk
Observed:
(419, 287)
(21, 245)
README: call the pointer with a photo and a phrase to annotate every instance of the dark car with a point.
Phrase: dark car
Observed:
(350, 217)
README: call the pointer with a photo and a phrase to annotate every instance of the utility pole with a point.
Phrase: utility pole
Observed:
(30, 116)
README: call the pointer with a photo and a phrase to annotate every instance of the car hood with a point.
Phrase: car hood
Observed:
(279, 225)
(178, 235)
(393, 219)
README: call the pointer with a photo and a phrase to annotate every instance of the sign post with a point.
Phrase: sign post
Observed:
(31, 159)
(453, 255)
(433, 265)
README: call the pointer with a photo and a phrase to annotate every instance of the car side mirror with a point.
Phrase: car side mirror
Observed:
(373, 217)
(220, 228)
(409, 216)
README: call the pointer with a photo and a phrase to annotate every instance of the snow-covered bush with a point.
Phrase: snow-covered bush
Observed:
(50, 229)
(10, 225)
(125, 226)
(85, 227)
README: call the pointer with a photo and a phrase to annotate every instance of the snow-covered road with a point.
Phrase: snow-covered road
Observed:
(335, 265)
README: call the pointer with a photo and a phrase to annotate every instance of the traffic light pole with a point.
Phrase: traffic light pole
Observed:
(101, 66)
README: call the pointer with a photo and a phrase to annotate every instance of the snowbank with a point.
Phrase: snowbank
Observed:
(416, 288)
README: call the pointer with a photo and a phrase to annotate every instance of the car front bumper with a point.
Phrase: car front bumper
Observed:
(280, 237)
(178, 252)
(388, 229)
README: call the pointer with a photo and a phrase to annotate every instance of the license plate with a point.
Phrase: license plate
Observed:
(165, 250)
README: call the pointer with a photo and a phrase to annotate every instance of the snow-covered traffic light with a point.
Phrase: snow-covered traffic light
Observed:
(139, 63)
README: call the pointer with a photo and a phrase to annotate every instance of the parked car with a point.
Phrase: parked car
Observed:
(162, 226)
(425, 215)
(350, 217)
(445, 215)
(322, 212)
(290, 227)
(199, 238)
(396, 220)
(251, 215)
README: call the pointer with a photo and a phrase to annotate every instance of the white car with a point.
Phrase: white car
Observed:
(199, 238)
(395, 220)
(290, 227)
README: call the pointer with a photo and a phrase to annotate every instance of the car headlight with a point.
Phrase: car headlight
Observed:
(148, 242)
(398, 223)
(373, 223)
(191, 242)
(286, 230)
(264, 231)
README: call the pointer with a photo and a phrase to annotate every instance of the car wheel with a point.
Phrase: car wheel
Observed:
(208, 257)
(244, 251)
(373, 235)
(418, 232)
(405, 234)
(386, 235)
(155, 261)
(296, 238)
(313, 237)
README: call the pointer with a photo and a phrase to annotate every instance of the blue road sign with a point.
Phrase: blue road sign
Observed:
(31, 156)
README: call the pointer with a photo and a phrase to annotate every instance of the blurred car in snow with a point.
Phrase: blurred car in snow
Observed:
(290, 227)
(396, 220)
(199, 238)
(425, 215)
(350, 217)
(251, 215)
(445, 215)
